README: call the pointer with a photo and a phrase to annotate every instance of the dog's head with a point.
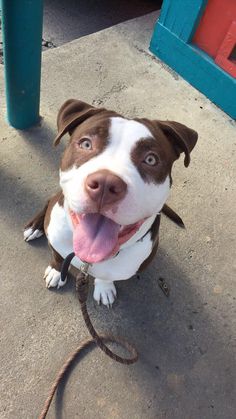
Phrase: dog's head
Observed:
(116, 168)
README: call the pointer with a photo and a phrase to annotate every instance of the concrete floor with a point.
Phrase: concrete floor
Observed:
(66, 20)
(187, 342)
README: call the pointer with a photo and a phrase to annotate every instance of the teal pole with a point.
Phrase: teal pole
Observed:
(22, 22)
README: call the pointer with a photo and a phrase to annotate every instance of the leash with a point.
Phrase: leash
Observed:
(82, 287)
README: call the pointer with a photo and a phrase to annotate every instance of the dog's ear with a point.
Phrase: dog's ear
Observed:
(72, 113)
(182, 138)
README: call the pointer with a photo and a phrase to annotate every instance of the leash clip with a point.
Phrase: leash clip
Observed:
(82, 283)
(84, 268)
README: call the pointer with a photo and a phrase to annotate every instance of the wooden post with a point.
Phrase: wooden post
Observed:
(172, 42)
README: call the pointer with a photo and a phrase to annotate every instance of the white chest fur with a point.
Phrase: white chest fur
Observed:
(122, 266)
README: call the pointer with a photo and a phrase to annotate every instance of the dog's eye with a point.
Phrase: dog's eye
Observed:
(86, 144)
(151, 159)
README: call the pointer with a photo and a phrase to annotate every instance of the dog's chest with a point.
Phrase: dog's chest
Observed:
(124, 265)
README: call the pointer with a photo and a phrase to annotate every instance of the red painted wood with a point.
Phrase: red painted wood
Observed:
(223, 54)
(214, 25)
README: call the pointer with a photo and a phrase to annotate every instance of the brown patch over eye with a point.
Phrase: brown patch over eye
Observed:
(150, 160)
(87, 141)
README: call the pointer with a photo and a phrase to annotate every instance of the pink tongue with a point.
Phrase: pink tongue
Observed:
(95, 238)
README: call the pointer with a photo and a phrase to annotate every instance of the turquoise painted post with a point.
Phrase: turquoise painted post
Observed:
(182, 16)
(22, 37)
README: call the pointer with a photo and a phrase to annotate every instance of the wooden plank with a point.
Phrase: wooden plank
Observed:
(223, 54)
(182, 16)
(214, 25)
(196, 67)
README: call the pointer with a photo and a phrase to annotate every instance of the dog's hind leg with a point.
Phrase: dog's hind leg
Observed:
(35, 227)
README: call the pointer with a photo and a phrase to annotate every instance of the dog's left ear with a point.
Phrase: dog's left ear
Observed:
(72, 113)
(182, 138)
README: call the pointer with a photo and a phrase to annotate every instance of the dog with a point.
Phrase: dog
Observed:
(115, 177)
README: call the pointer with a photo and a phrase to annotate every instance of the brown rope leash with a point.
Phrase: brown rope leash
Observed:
(82, 285)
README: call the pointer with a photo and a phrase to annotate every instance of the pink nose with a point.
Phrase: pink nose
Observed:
(105, 188)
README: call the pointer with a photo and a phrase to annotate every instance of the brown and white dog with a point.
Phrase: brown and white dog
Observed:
(115, 178)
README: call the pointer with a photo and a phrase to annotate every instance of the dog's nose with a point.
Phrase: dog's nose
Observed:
(105, 188)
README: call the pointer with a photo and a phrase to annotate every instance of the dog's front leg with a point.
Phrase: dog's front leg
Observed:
(104, 292)
(52, 273)
(35, 227)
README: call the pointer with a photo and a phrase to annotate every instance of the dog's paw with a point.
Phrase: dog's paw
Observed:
(53, 278)
(104, 292)
(31, 234)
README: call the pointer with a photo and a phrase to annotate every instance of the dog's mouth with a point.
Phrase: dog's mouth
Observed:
(96, 237)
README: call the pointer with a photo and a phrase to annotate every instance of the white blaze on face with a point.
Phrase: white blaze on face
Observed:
(142, 199)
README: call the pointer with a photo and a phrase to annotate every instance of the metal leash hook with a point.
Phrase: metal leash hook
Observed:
(82, 283)
(84, 268)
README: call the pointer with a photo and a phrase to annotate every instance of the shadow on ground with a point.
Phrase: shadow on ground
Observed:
(179, 364)
(68, 20)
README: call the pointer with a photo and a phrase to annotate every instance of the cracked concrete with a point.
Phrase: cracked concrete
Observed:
(186, 343)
